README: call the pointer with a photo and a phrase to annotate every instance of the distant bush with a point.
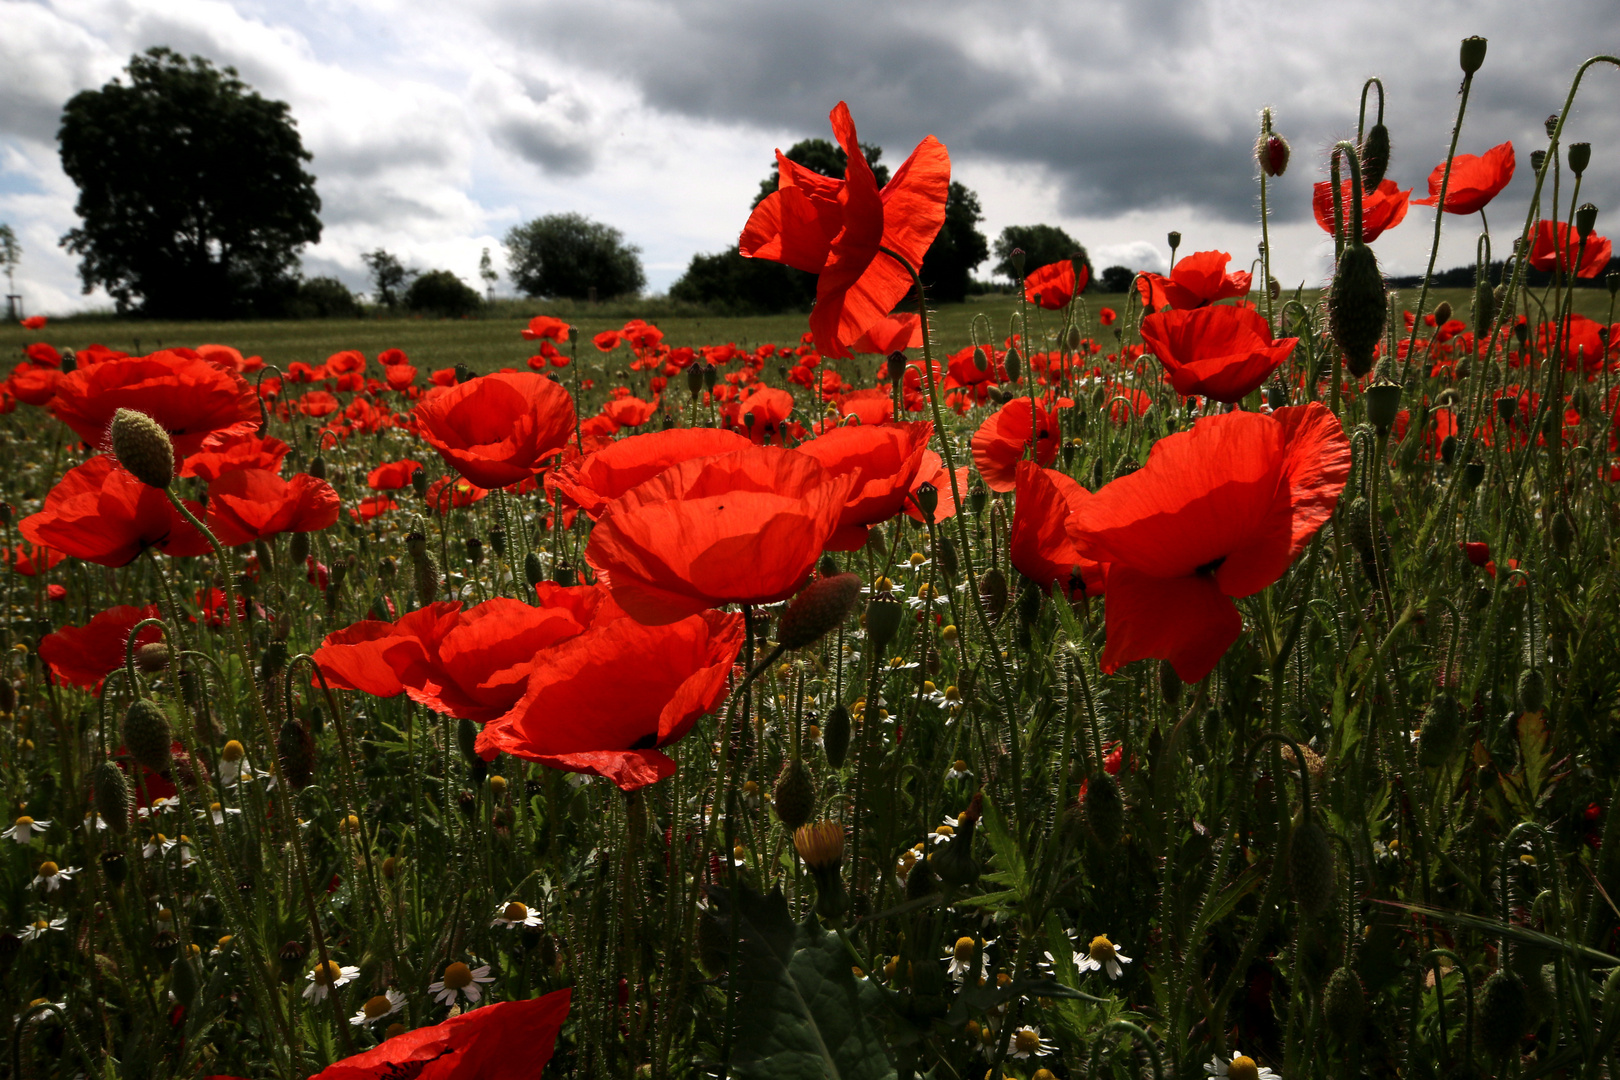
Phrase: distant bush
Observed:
(1116, 279)
(729, 284)
(439, 292)
(322, 298)
(569, 255)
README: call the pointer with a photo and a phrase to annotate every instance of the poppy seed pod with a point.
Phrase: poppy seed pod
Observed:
(146, 734)
(820, 607)
(1358, 306)
(1612, 280)
(1383, 405)
(1580, 156)
(927, 496)
(895, 365)
(143, 448)
(694, 380)
(111, 790)
(1538, 158)
(1174, 239)
(835, 736)
(1272, 152)
(1472, 54)
(317, 467)
(1374, 154)
(1585, 220)
(463, 373)
(883, 614)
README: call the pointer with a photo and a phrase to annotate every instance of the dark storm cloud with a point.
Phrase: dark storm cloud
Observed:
(1126, 107)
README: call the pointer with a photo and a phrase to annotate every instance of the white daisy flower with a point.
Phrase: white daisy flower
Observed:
(383, 1005)
(961, 959)
(40, 927)
(159, 806)
(324, 977)
(51, 876)
(218, 812)
(1026, 1042)
(23, 830)
(516, 914)
(1240, 1067)
(959, 769)
(1103, 955)
(458, 978)
(95, 822)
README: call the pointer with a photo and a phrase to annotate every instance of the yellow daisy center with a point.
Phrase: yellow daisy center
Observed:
(964, 949)
(25, 822)
(1101, 948)
(457, 975)
(515, 912)
(1027, 1041)
(377, 1006)
(234, 751)
(328, 973)
(1243, 1068)
(49, 869)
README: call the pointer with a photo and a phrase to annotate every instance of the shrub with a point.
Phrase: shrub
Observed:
(439, 292)
(323, 298)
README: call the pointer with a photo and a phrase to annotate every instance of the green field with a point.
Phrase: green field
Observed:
(489, 343)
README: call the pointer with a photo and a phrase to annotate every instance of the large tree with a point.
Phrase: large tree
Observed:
(1041, 244)
(947, 268)
(569, 255)
(192, 191)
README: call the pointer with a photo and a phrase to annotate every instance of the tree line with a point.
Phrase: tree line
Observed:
(195, 202)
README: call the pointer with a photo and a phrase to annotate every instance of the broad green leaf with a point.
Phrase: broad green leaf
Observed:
(1009, 860)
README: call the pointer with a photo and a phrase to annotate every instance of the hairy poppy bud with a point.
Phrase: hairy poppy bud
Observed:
(1073, 338)
(317, 467)
(1532, 690)
(1374, 154)
(297, 752)
(1343, 1004)
(993, 592)
(1357, 306)
(795, 796)
(883, 613)
(533, 572)
(1104, 810)
(947, 557)
(1442, 313)
(1585, 220)
(1016, 257)
(1014, 364)
(146, 734)
(1272, 151)
(427, 578)
(1472, 54)
(820, 607)
(1358, 524)
(835, 736)
(1504, 1013)
(1310, 867)
(152, 657)
(1563, 533)
(143, 448)
(111, 790)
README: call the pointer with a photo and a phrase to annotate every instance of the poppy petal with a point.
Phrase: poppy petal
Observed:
(1185, 620)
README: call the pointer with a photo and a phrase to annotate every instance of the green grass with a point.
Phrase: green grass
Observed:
(495, 341)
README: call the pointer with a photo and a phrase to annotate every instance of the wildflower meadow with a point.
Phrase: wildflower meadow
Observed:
(1207, 680)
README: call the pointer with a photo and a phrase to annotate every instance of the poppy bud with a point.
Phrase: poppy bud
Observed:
(1448, 449)
(1472, 54)
(1532, 690)
(876, 542)
(1383, 405)
(317, 467)
(883, 613)
(533, 572)
(297, 752)
(146, 734)
(1585, 220)
(1580, 156)
(947, 557)
(1169, 683)
(1358, 524)
(993, 592)
(1272, 151)
(927, 496)
(1104, 811)
(111, 790)
(828, 566)
(1374, 154)
(896, 365)
(980, 361)
(794, 798)
(1357, 306)
(820, 607)
(835, 736)
(1442, 313)
(1014, 364)
(1310, 867)
(152, 657)
(1504, 1013)
(1343, 1004)
(1016, 257)
(1437, 738)
(1563, 533)
(143, 448)
(427, 579)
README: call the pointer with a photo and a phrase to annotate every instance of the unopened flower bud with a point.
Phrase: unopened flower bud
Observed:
(1442, 314)
(146, 734)
(142, 447)
(1175, 241)
(1272, 151)
(821, 607)
(1016, 257)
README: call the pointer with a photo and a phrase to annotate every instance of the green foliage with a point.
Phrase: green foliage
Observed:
(323, 298)
(389, 277)
(441, 293)
(569, 255)
(729, 284)
(1042, 244)
(193, 199)
(947, 269)
(1116, 279)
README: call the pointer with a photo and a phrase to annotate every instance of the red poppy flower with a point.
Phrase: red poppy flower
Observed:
(29, 560)
(231, 359)
(884, 460)
(498, 429)
(630, 411)
(84, 655)
(33, 384)
(346, 362)
(599, 478)
(33, 322)
(392, 475)
(318, 403)
(1475, 181)
(1004, 436)
(761, 415)
(1107, 316)
(1381, 209)
(1217, 512)
(603, 702)
(1195, 281)
(41, 352)
(102, 514)
(1041, 544)
(399, 376)
(745, 527)
(891, 334)
(1558, 243)
(607, 340)
(222, 454)
(390, 357)
(470, 663)
(1222, 352)
(834, 228)
(507, 1040)
(868, 406)
(451, 492)
(933, 471)
(1055, 284)
(255, 504)
(544, 326)
(372, 506)
(190, 398)
(642, 336)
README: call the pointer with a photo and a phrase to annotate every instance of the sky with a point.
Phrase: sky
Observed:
(437, 127)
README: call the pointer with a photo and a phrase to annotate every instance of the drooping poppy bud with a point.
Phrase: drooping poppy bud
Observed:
(819, 608)
(883, 614)
(1310, 867)
(297, 752)
(794, 797)
(1358, 306)
(993, 592)
(1374, 154)
(1343, 1004)
(1442, 313)
(1504, 1013)
(835, 736)
(146, 734)
(1104, 811)
(143, 448)
(111, 789)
